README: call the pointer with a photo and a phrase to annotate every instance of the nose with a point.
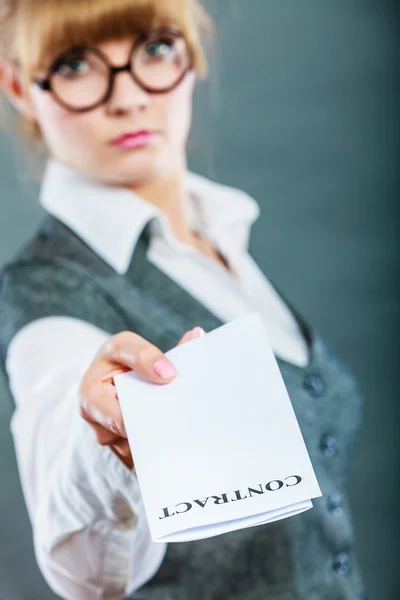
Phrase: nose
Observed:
(126, 94)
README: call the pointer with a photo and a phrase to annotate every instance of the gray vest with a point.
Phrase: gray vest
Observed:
(309, 556)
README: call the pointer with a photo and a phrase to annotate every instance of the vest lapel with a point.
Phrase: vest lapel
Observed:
(168, 301)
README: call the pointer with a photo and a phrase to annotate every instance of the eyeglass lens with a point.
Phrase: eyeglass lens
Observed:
(81, 78)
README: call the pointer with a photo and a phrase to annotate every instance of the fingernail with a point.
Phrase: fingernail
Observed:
(163, 368)
(197, 332)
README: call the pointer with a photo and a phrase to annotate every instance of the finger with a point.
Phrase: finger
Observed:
(104, 436)
(191, 335)
(99, 405)
(117, 443)
(133, 351)
(123, 447)
(127, 460)
(185, 338)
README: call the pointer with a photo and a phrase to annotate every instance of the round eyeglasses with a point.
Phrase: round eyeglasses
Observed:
(82, 78)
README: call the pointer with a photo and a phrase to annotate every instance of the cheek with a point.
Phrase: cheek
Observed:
(60, 127)
(177, 112)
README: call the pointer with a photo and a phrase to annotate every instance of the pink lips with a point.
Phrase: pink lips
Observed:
(134, 140)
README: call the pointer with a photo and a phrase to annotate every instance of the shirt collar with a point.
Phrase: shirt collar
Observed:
(110, 219)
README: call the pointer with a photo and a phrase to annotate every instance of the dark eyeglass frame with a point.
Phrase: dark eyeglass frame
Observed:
(45, 84)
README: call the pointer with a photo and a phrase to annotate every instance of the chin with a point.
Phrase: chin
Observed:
(140, 167)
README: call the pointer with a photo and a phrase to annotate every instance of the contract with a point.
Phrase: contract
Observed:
(219, 448)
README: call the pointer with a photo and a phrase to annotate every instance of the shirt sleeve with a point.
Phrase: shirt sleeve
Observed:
(91, 536)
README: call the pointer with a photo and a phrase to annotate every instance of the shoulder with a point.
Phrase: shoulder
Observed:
(40, 285)
(53, 263)
(41, 282)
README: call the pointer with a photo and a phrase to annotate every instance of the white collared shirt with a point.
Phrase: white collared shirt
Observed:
(90, 532)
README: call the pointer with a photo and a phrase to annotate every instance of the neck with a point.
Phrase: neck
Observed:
(169, 195)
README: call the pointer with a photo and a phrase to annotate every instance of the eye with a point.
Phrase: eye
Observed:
(160, 48)
(73, 66)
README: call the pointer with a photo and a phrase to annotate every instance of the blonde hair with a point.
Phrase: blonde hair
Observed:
(32, 32)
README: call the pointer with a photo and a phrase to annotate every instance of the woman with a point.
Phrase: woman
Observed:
(134, 255)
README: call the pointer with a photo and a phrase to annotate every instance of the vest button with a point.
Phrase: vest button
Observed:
(341, 563)
(329, 446)
(313, 384)
(335, 504)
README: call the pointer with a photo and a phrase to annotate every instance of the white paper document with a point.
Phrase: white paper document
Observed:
(219, 448)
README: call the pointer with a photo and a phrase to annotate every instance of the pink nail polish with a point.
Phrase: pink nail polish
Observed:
(164, 369)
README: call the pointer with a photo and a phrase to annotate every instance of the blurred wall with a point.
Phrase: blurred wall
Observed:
(300, 111)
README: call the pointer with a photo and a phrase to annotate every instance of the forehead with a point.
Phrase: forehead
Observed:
(61, 25)
(118, 50)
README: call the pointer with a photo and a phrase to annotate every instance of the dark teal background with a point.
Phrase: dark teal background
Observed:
(301, 111)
